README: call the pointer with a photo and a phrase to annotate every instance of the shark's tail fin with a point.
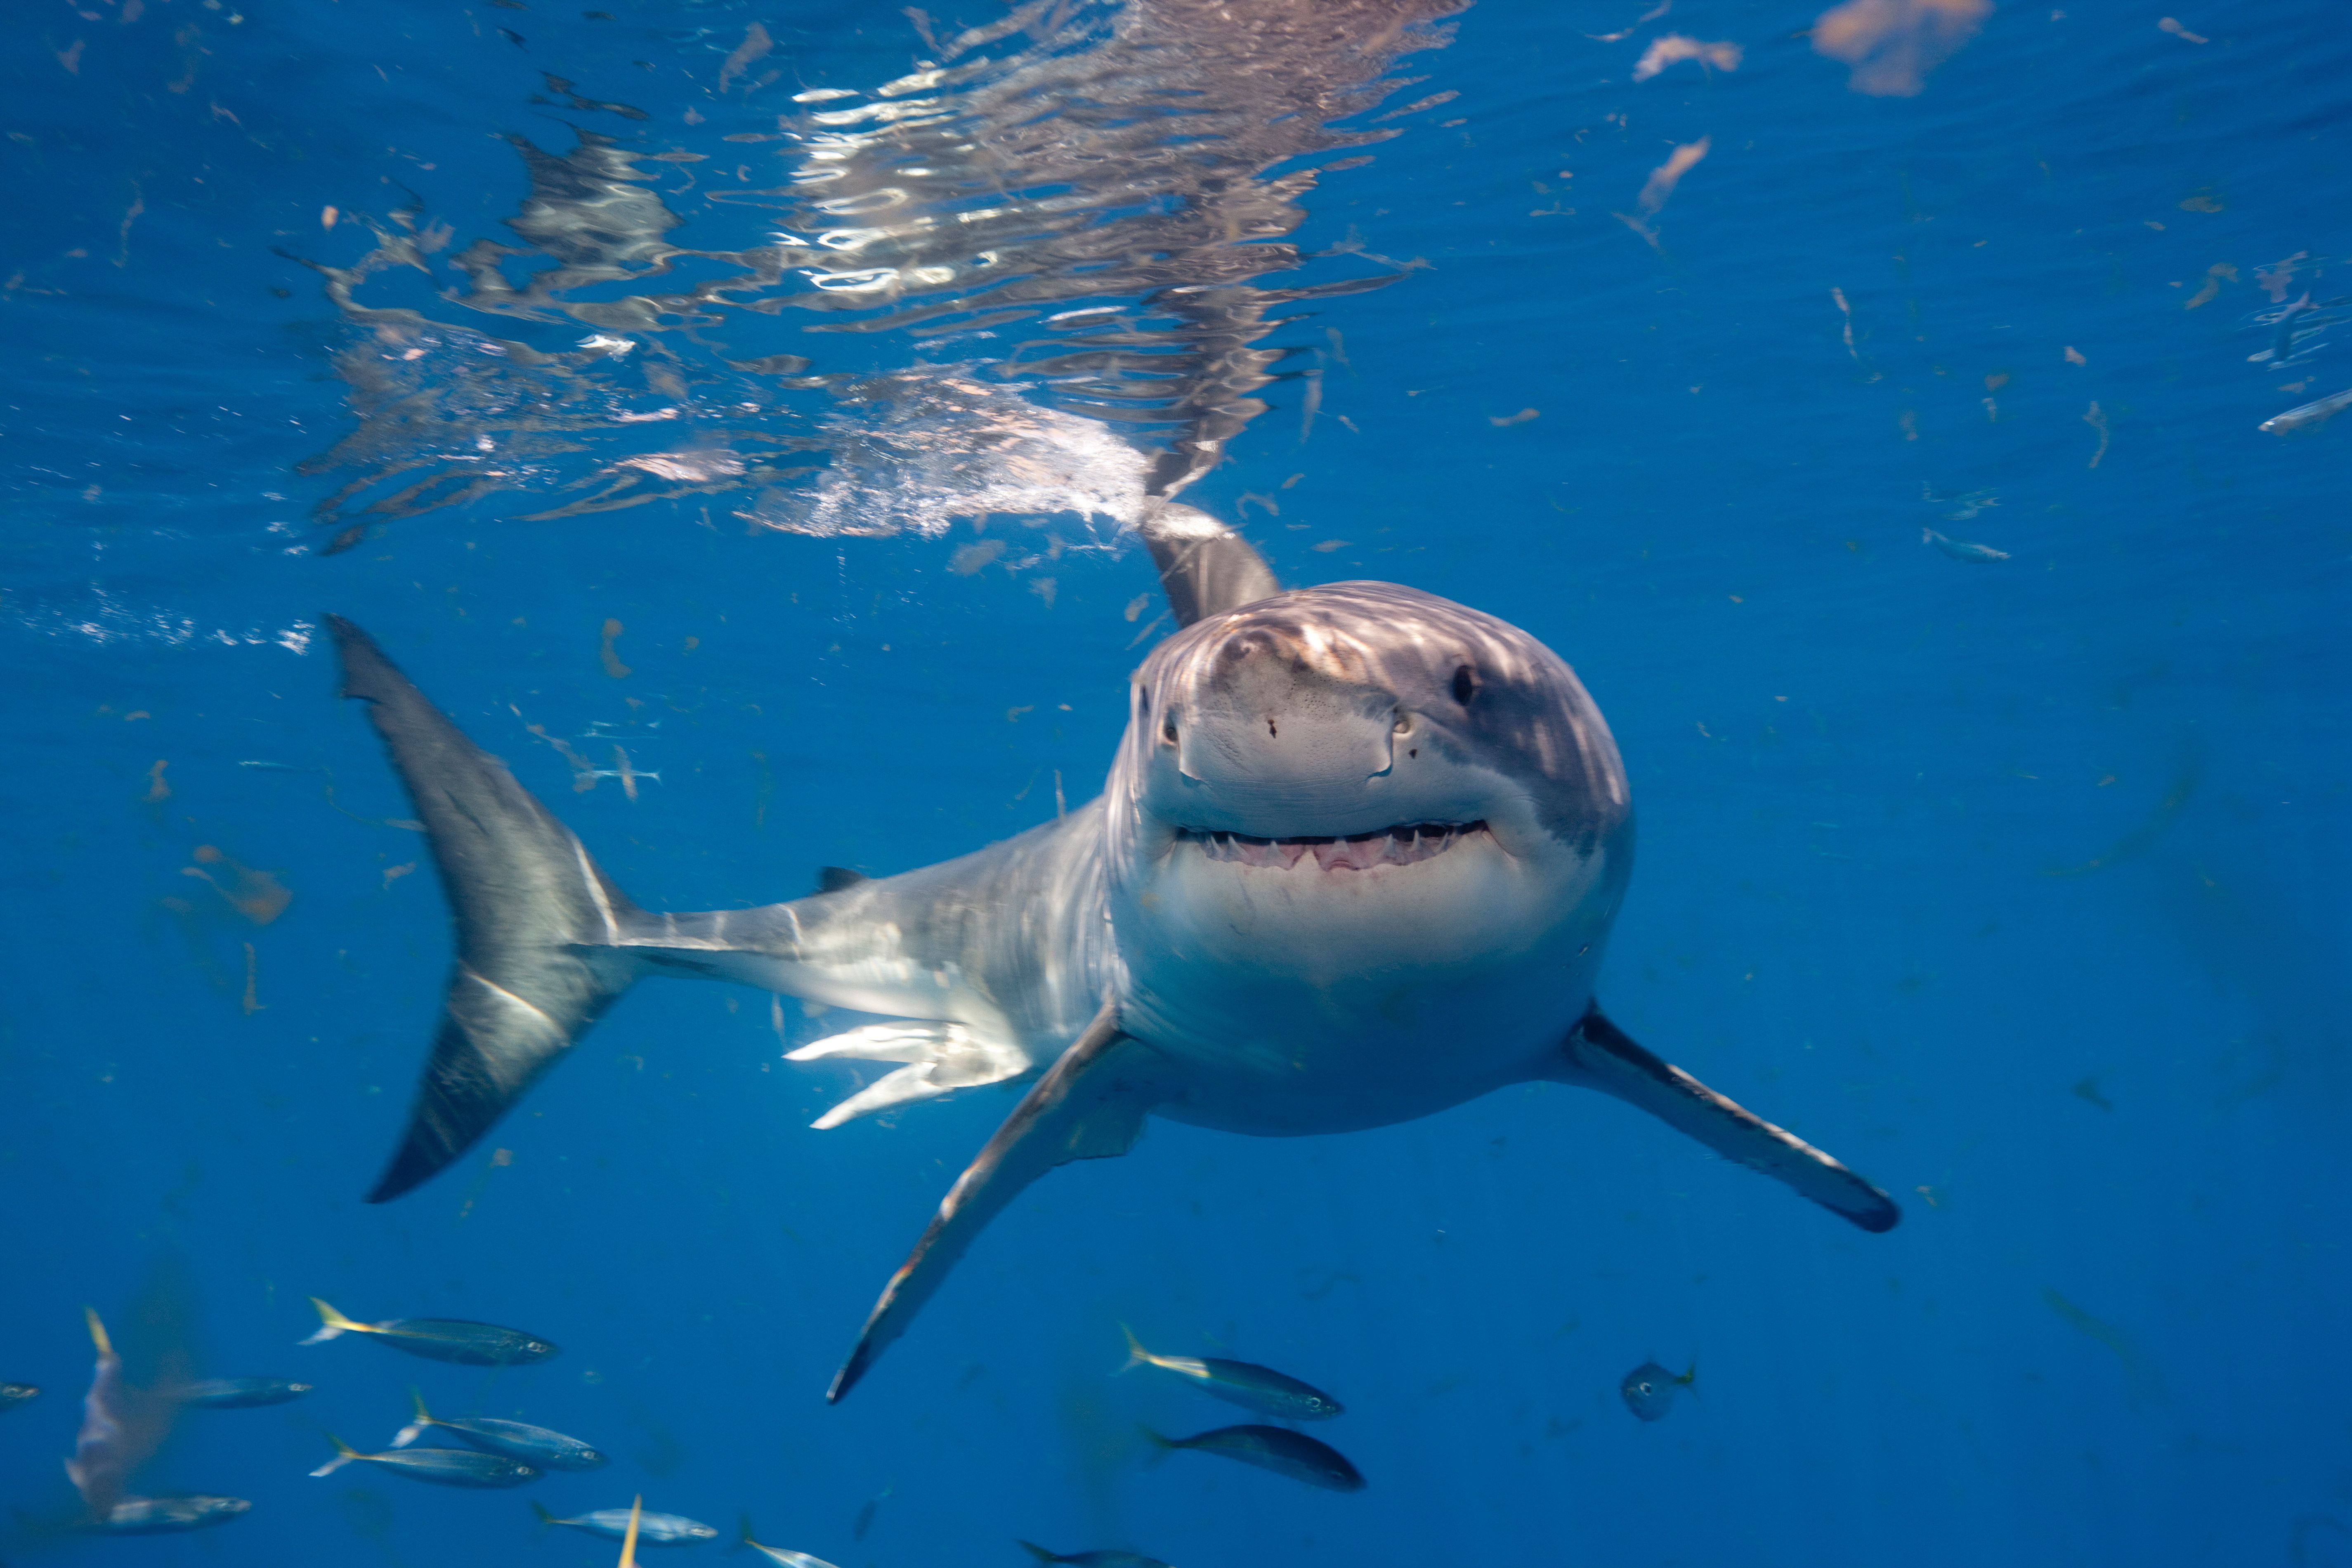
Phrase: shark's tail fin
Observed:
(414, 1429)
(539, 925)
(332, 1324)
(1039, 1552)
(1136, 1354)
(104, 1346)
(344, 1454)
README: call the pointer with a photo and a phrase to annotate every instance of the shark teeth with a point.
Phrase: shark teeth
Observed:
(1400, 845)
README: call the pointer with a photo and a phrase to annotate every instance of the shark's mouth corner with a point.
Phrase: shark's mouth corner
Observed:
(1402, 845)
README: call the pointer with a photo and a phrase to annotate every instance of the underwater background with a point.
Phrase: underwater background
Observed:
(1869, 409)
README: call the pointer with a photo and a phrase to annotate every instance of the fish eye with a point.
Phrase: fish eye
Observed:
(1465, 684)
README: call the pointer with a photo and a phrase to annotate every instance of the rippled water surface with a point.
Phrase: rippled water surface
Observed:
(1915, 421)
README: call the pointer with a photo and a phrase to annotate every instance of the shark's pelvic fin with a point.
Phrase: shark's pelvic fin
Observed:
(941, 1057)
(537, 921)
(1599, 1055)
(1090, 1106)
(1205, 568)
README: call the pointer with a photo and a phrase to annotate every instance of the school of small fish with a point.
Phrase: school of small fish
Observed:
(120, 1430)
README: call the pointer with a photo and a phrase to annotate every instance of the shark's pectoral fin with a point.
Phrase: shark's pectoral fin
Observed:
(941, 1056)
(1599, 1055)
(1089, 1106)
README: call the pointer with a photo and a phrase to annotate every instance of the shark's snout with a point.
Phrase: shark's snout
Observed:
(1285, 748)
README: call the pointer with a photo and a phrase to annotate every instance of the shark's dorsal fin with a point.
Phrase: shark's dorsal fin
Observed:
(1599, 1055)
(1089, 1106)
(1205, 568)
(834, 879)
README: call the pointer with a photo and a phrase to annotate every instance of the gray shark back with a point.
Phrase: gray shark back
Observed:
(546, 942)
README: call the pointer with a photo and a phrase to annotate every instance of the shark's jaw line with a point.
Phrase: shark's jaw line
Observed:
(1403, 844)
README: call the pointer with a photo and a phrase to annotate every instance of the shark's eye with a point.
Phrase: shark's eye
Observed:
(1466, 685)
(1168, 731)
(1404, 724)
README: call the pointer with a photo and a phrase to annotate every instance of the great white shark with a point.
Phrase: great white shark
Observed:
(1355, 862)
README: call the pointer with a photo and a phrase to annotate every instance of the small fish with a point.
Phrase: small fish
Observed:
(653, 1528)
(442, 1467)
(515, 1439)
(1252, 1387)
(2283, 347)
(1961, 549)
(110, 1444)
(778, 1554)
(1092, 1559)
(1276, 1448)
(238, 1392)
(2303, 417)
(1649, 1389)
(439, 1339)
(166, 1515)
(15, 1393)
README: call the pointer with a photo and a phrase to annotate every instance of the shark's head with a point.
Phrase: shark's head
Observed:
(1361, 788)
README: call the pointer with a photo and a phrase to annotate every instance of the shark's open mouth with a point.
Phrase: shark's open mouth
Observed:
(1399, 846)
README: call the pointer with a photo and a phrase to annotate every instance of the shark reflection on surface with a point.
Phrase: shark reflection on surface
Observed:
(1101, 262)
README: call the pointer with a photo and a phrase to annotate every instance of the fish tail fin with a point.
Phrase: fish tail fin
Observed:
(629, 1541)
(332, 1324)
(742, 1533)
(1136, 1354)
(1689, 1379)
(1039, 1552)
(344, 1454)
(1161, 1447)
(414, 1429)
(543, 936)
(540, 1509)
(96, 1331)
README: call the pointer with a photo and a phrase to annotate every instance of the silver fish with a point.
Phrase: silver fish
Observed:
(167, 1515)
(1649, 1389)
(456, 1340)
(1961, 549)
(515, 1439)
(777, 1554)
(14, 1393)
(1276, 1448)
(653, 1528)
(2316, 412)
(442, 1467)
(1091, 1558)
(1245, 1384)
(238, 1392)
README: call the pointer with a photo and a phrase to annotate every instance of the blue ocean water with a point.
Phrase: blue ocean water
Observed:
(2007, 867)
